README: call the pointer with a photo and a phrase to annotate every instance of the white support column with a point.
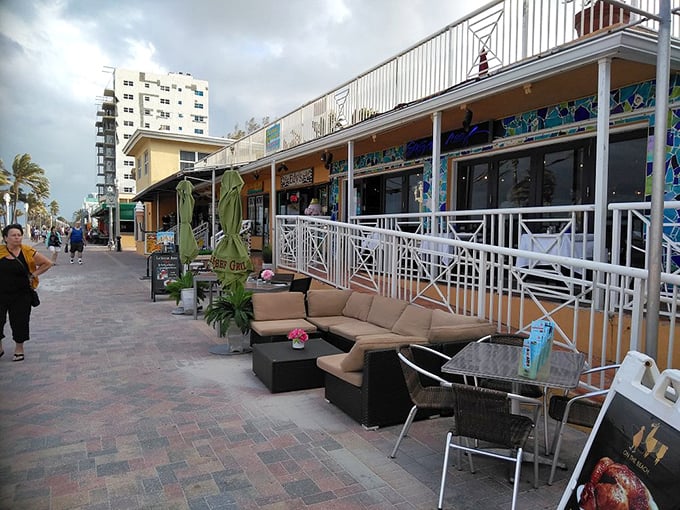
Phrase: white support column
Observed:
(272, 212)
(436, 156)
(350, 205)
(602, 161)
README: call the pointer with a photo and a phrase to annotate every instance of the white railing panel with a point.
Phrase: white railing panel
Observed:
(481, 279)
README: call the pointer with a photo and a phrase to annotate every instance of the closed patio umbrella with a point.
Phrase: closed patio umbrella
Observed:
(231, 260)
(188, 249)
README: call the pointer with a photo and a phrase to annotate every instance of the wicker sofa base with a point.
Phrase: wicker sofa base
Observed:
(382, 399)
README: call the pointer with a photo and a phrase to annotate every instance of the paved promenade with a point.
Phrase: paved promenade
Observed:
(119, 405)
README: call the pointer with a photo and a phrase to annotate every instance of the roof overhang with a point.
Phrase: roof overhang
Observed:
(169, 184)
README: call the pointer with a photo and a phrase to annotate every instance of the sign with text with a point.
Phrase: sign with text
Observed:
(294, 179)
(165, 268)
(273, 138)
(633, 453)
(479, 134)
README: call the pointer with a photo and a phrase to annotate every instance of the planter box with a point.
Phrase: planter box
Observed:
(603, 15)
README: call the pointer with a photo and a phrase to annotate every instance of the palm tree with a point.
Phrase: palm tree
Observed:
(54, 210)
(26, 177)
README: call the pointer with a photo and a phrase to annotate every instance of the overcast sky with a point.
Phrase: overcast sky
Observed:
(260, 57)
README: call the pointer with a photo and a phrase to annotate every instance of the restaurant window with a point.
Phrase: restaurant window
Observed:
(394, 193)
(258, 213)
(560, 174)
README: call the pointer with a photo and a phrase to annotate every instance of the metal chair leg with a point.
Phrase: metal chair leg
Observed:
(444, 468)
(515, 486)
(557, 452)
(404, 430)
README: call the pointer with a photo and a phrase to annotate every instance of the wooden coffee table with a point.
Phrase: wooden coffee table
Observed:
(282, 368)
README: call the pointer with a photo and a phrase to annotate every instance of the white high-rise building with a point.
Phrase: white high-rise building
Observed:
(173, 102)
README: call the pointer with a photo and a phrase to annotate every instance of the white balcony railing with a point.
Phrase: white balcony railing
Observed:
(499, 35)
(594, 304)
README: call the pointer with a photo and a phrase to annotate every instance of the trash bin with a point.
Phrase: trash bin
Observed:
(119, 247)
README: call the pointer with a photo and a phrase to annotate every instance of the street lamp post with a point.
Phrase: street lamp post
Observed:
(7, 199)
(28, 228)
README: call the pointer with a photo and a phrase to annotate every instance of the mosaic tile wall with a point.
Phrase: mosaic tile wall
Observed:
(543, 124)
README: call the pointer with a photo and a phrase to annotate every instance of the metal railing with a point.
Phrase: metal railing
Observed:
(599, 307)
(497, 36)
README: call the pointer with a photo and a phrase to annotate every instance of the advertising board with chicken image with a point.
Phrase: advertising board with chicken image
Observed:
(633, 463)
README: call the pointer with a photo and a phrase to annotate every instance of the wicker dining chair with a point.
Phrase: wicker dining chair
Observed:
(437, 398)
(578, 409)
(300, 285)
(527, 390)
(283, 278)
(483, 414)
(478, 413)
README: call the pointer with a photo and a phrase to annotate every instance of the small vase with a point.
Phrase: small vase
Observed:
(297, 344)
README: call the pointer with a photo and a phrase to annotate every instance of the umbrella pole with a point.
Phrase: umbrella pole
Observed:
(212, 212)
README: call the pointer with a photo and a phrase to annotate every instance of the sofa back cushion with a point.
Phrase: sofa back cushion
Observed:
(358, 305)
(452, 327)
(326, 302)
(354, 360)
(413, 321)
(275, 306)
(385, 311)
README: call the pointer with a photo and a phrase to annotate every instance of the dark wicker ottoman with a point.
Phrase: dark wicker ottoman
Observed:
(282, 368)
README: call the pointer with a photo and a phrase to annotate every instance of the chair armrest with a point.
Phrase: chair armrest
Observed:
(431, 351)
(440, 380)
(600, 369)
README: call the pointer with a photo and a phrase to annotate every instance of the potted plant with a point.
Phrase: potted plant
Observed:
(602, 15)
(267, 253)
(182, 289)
(232, 313)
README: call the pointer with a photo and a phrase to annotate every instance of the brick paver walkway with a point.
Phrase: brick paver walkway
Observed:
(119, 405)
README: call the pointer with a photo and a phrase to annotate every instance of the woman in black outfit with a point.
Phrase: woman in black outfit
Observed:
(19, 269)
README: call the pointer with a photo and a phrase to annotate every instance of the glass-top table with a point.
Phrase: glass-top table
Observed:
(500, 361)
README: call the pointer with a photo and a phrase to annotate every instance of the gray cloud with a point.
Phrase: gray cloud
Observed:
(262, 58)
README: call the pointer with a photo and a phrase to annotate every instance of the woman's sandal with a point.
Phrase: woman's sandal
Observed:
(18, 357)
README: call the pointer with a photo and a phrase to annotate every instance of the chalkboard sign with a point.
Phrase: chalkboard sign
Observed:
(164, 268)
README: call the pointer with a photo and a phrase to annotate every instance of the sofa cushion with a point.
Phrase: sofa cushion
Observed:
(331, 364)
(324, 323)
(354, 359)
(452, 327)
(281, 327)
(353, 328)
(414, 320)
(358, 305)
(326, 302)
(385, 311)
(278, 305)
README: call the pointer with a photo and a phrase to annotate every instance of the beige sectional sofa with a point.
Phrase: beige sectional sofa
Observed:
(275, 314)
(366, 380)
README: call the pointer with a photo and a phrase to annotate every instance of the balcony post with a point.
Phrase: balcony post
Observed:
(436, 156)
(601, 166)
(350, 202)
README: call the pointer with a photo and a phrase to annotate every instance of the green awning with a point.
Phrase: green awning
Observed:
(127, 212)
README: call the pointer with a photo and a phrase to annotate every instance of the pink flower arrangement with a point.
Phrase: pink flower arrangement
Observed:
(267, 274)
(298, 335)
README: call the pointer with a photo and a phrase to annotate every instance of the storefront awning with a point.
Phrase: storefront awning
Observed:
(127, 211)
(169, 184)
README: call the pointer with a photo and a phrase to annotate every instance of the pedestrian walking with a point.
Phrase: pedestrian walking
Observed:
(53, 244)
(20, 267)
(76, 240)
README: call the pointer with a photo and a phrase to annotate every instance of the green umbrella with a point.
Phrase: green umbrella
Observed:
(230, 259)
(188, 249)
